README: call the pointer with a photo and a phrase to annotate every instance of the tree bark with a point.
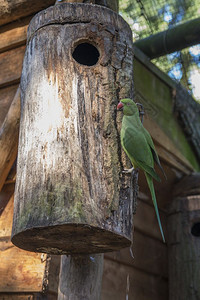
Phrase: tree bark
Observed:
(71, 196)
(184, 240)
(112, 4)
(86, 281)
(171, 40)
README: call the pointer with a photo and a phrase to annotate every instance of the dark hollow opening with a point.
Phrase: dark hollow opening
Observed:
(86, 54)
(196, 229)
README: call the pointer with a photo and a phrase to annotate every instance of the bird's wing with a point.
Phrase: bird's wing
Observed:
(137, 148)
(153, 150)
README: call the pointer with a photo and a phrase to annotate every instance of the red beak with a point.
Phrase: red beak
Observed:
(120, 106)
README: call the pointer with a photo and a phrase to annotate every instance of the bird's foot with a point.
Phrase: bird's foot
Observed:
(132, 171)
(128, 171)
(141, 111)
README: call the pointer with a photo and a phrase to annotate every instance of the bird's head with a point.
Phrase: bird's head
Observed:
(128, 106)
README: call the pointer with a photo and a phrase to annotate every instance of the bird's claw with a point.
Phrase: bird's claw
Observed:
(128, 171)
(141, 110)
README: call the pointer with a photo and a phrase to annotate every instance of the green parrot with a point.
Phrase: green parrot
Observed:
(138, 145)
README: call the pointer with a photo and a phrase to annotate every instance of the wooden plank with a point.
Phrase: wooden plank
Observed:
(5, 195)
(150, 255)
(146, 222)
(15, 9)
(6, 220)
(9, 132)
(14, 296)
(14, 34)
(23, 271)
(20, 270)
(6, 96)
(142, 286)
(11, 66)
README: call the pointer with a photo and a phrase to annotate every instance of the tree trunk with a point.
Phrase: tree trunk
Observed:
(85, 283)
(184, 240)
(171, 40)
(71, 196)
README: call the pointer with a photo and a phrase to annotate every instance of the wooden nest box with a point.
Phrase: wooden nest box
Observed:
(70, 195)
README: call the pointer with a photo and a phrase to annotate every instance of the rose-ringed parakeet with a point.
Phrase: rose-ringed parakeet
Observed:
(138, 145)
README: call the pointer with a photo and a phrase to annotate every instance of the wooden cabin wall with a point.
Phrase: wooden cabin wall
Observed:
(146, 273)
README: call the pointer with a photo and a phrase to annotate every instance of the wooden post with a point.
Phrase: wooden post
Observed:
(80, 277)
(184, 240)
(71, 196)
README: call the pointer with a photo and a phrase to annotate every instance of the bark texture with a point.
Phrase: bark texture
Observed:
(71, 196)
(184, 240)
(86, 281)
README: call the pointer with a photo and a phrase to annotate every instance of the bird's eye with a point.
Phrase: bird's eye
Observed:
(128, 104)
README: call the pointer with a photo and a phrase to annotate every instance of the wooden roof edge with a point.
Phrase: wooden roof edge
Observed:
(186, 108)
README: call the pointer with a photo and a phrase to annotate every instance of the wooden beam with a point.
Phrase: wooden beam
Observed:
(6, 97)
(11, 66)
(5, 195)
(9, 138)
(171, 40)
(15, 9)
(13, 35)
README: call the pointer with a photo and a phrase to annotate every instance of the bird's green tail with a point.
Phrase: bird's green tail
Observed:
(151, 187)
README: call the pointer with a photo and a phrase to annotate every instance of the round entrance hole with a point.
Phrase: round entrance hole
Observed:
(196, 229)
(86, 54)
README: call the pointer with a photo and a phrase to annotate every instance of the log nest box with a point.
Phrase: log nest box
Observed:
(70, 195)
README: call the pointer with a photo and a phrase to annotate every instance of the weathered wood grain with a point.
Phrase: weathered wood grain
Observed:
(81, 277)
(15, 9)
(112, 4)
(17, 296)
(11, 66)
(69, 161)
(9, 132)
(120, 280)
(20, 270)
